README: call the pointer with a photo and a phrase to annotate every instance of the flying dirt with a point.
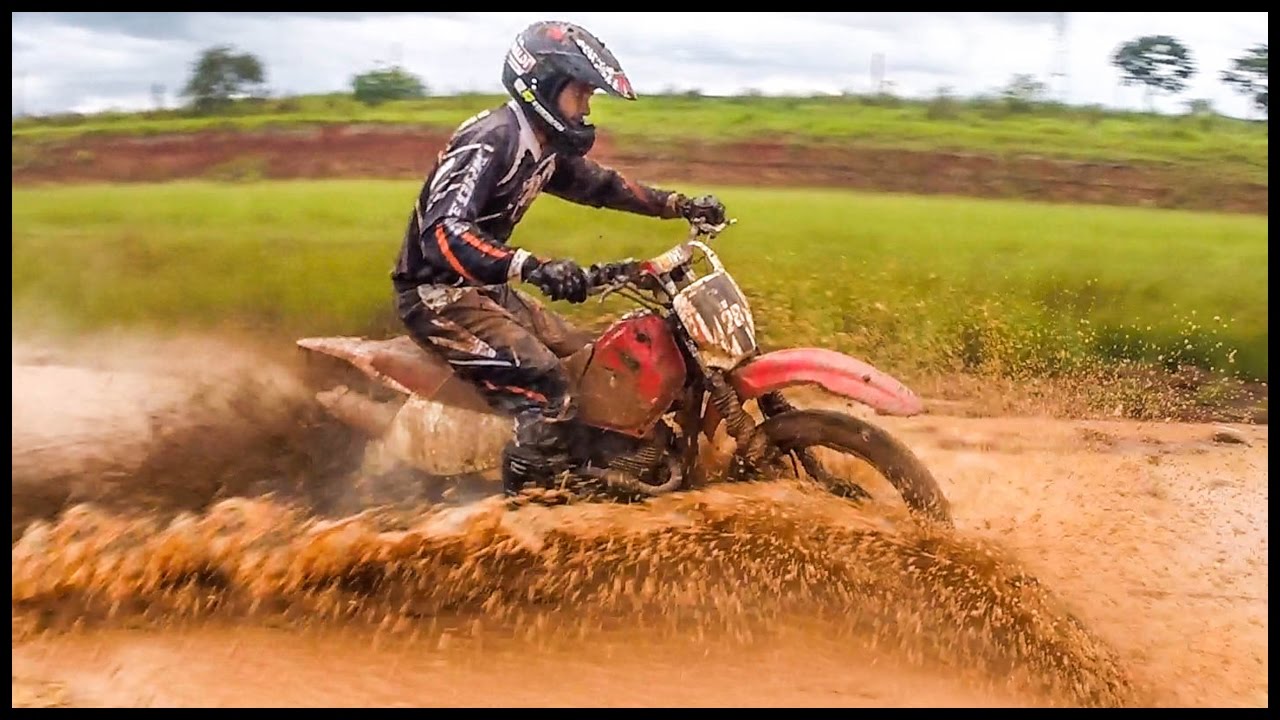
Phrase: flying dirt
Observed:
(216, 525)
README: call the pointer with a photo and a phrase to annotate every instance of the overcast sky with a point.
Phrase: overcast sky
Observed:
(87, 62)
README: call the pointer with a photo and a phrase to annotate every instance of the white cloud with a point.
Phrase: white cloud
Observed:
(66, 61)
(62, 68)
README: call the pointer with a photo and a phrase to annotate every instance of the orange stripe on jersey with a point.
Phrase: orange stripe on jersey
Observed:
(483, 246)
(443, 241)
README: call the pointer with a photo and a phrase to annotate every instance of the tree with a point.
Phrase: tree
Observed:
(1248, 74)
(1200, 107)
(1023, 92)
(383, 84)
(1158, 62)
(220, 75)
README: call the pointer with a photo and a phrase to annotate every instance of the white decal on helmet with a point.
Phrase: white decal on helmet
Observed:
(527, 96)
(519, 58)
(537, 106)
(614, 76)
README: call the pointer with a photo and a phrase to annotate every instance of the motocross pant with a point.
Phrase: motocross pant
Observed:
(509, 346)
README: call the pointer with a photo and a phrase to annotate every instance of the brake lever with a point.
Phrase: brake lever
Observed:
(611, 289)
(619, 282)
(701, 227)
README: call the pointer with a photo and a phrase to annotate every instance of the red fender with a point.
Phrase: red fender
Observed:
(833, 371)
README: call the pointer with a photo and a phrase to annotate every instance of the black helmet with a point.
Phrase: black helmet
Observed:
(542, 60)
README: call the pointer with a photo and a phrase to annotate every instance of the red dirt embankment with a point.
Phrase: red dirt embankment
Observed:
(371, 151)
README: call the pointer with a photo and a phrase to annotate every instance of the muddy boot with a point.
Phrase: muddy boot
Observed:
(523, 466)
(536, 454)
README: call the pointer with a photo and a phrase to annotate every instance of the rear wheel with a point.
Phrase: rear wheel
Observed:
(795, 431)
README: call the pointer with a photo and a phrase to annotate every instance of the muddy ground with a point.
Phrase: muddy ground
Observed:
(1093, 563)
(371, 151)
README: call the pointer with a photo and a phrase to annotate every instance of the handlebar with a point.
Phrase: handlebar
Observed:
(607, 277)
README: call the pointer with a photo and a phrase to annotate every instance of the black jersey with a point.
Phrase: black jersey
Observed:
(480, 187)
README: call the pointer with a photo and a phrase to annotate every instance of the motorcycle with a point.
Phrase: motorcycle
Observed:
(673, 369)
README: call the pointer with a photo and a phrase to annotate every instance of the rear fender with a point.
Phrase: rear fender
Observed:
(833, 371)
(401, 365)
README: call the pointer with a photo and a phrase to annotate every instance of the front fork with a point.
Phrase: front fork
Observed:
(754, 453)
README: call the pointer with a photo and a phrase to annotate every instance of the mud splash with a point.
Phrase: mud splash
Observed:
(229, 507)
(168, 430)
(721, 561)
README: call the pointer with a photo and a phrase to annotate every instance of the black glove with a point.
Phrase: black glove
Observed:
(560, 280)
(608, 273)
(707, 209)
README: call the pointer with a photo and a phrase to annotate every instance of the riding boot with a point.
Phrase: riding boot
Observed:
(535, 454)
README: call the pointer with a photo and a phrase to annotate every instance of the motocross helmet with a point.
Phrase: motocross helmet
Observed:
(544, 58)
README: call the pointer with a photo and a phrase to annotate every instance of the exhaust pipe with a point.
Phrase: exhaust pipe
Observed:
(618, 480)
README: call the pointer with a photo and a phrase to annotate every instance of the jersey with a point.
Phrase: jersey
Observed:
(481, 186)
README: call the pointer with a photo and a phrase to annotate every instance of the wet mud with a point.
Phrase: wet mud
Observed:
(168, 517)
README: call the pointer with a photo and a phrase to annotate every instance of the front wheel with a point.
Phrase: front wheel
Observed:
(794, 431)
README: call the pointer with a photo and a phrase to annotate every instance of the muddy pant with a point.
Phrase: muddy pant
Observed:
(504, 342)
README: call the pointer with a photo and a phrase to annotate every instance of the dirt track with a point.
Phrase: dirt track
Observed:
(1152, 535)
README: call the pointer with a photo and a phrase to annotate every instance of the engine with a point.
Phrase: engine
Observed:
(639, 458)
(640, 463)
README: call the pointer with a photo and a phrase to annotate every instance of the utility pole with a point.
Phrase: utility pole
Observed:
(22, 93)
(877, 73)
(1060, 72)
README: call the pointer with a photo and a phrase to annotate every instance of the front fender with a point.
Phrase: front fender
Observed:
(833, 371)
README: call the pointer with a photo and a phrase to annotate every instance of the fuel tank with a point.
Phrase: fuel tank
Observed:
(630, 376)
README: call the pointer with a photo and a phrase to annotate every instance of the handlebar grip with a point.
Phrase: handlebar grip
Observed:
(604, 274)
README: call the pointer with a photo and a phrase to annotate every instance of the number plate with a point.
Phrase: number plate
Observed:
(718, 318)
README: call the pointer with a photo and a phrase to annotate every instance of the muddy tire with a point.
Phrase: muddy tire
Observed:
(799, 429)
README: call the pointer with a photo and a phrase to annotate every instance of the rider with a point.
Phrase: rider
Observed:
(454, 273)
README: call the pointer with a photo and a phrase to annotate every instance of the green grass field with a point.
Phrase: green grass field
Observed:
(912, 284)
(1223, 146)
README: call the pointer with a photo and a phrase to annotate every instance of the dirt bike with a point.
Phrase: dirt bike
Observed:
(663, 374)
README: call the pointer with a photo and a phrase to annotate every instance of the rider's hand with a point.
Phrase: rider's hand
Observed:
(602, 274)
(707, 209)
(561, 280)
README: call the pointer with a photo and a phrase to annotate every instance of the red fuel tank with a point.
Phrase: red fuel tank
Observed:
(634, 374)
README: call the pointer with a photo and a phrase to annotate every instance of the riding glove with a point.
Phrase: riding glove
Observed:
(706, 208)
(560, 279)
